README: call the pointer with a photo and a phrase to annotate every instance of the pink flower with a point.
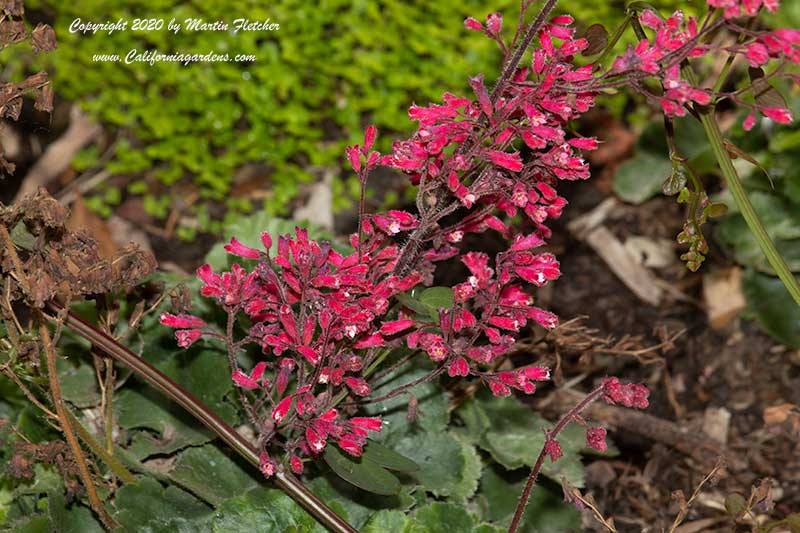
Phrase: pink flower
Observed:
(756, 54)
(749, 122)
(584, 143)
(187, 337)
(282, 409)
(249, 382)
(357, 385)
(354, 156)
(316, 442)
(369, 138)
(458, 367)
(552, 449)
(296, 464)
(266, 240)
(778, 114)
(370, 341)
(472, 24)
(512, 162)
(526, 242)
(181, 321)
(596, 439)
(391, 328)
(309, 354)
(351, 445)
(267, 465)
(371, 423)
(494, 23)
(237, 248)
(538, 373)
(499, 389)
(627, 394)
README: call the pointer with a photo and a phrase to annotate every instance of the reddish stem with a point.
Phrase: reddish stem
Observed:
(537, 467)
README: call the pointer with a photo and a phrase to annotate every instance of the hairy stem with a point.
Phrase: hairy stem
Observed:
(115, 465)
(69, 433)
(511, 66)
(284, 480)
(537, 467)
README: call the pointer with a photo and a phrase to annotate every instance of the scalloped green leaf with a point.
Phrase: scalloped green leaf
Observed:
(267, 510)
(168, 428)
(513, 435)
(439, 456)
(442, 518)
(147, 506)
(387, 521)
(359, 505)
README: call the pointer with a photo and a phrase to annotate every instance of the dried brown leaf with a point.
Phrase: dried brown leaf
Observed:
(12, 108)
(12, 31)
(12, 7)
(43, 39)
(44, 100)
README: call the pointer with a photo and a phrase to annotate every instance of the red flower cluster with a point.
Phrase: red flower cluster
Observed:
(324, 320)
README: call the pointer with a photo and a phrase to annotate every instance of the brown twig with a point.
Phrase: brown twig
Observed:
(684, 510)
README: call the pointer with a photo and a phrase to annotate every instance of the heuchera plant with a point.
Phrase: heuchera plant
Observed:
(487, 162)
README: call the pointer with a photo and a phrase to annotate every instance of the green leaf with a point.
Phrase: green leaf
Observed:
(597, 37)
(262, 509)
(716, 210)
(433, 405)
(361, 472)
(78, 382)
(514, 437)
(386, 521)
(147, 506)
(735, 504)
(772, 306)
(439, 456)
(211, 474)
(75, 518)
(782, 222)
(413, 304)
(437, 298)
(359, 505)
(37, 524)
(388, 459)
(546, 510)
(198, 371)
(21, 237)
(471, 473)
(442, 518)
(640, 178)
